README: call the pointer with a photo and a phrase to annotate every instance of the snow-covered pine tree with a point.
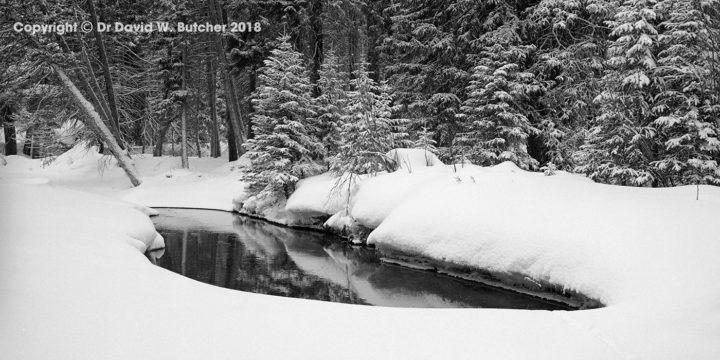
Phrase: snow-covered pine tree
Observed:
(367, 130)
(572, 41)
(333, 84)
(428, 62)
(426, 142)
(495, 128)
(285, 147)
(387, 123)
(686, 124)
(622, 142)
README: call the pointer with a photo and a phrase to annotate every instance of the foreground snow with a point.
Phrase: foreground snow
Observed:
(75, 284)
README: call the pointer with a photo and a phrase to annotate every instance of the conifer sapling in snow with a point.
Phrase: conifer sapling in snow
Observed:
(367, 130)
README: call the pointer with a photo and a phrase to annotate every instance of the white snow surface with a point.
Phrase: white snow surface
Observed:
(379, 195)
(321, 194)
(324, 194)
(75, 284)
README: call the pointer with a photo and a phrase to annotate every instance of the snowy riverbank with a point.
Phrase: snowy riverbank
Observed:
(72, 265)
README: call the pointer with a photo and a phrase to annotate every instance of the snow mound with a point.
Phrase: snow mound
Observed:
(505, 166)
(621, 245)
(80, 157)
(46, 209)
(410, 159)
(379, 195)
(323, 194)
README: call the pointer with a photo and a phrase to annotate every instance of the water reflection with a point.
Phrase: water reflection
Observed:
(236, 252)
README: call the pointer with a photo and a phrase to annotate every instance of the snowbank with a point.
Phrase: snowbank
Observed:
(371, 198)
(604, 241)
(52, 212)
(379, 195)
(321, 194)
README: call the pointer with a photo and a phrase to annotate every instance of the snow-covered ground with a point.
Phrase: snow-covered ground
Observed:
(210, 183)
(76, 286)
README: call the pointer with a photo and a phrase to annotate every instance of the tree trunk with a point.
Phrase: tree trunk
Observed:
(375, 26)
(317, 44)
(114, 117)
(8, 124)
(10, 139)
(232, 144)
(212, 100)
(183, 116)
(160, 139)
(94, 122)
(85, 85)
(231, 99)
(198, 127)
(95, 87)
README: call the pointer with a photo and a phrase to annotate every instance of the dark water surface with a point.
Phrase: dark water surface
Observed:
(240, 253)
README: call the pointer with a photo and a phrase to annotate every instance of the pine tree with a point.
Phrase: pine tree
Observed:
(427, 51)
(331, 103)
(388, 125)
(425, 141)
(622, 143)
(367, 130)
(495, 127)
(686, 125)
(285, 148)
(571, 37)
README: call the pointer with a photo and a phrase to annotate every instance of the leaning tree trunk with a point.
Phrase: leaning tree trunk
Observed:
(85, 85)
(94, 122)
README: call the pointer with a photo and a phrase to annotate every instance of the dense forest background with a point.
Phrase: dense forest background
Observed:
(627, 92)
